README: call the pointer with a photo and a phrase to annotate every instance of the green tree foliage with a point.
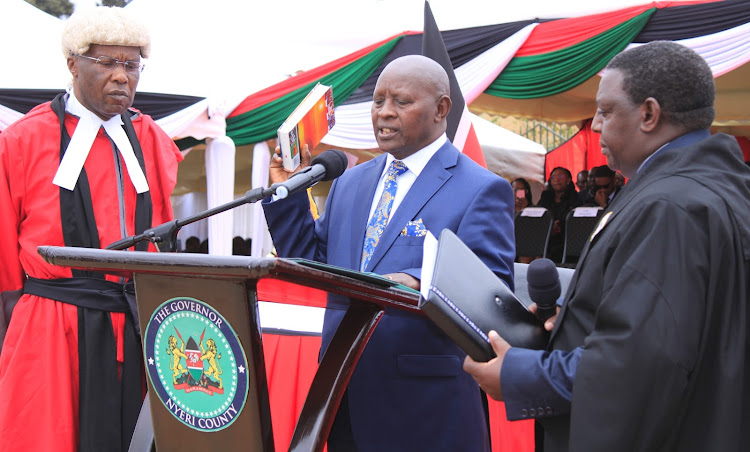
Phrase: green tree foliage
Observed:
(57, 8)
(119, 3)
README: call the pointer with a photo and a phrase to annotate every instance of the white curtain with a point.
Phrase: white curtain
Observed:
(220, 190)
(262, 244)
(185, 206)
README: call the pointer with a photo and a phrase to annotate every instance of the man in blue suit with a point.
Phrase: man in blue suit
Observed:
(408, 392)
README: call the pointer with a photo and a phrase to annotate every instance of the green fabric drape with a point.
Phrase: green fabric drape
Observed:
(261, 123)
(552, 73)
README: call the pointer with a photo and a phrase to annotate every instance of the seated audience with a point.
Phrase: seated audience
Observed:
(192, 245)
(619, 179)
(582, 182)
(604, 189)
(239, 248)
(559, 198)
(522, 192)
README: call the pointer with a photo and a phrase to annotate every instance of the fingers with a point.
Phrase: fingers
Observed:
(276, 158)
(276, 171)
(549, 325)
(470, 365)
(305, 157)
(499, 345)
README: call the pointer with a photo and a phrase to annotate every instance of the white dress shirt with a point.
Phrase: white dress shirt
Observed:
(415, 164)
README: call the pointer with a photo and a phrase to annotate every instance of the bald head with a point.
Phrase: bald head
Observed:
(425, 69)
(411, 102)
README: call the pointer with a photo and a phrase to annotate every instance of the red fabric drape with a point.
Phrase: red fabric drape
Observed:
(517, 436)
(304, 78)
(582, 152)
(744, 143)
(291, 363)
(473, 149)
(562, 33)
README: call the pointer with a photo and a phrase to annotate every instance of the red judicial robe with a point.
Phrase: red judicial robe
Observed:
(39, 371)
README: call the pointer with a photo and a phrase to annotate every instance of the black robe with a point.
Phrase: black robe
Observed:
(660, 305)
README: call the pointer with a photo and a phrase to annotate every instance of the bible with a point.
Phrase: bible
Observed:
(308, 124)
(466, 300)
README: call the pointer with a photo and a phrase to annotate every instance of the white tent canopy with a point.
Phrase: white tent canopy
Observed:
(225, 50)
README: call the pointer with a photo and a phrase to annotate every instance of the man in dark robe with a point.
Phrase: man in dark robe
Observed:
(650, 349)
(84, 170)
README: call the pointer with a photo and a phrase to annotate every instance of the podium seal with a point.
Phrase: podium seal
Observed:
(195, 363)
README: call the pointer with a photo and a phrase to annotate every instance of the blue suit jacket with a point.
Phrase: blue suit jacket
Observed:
(409, 391)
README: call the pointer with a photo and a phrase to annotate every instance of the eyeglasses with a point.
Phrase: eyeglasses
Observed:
(109, 63)
(602, 187)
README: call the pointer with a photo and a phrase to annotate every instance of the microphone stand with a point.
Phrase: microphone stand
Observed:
(164, 236)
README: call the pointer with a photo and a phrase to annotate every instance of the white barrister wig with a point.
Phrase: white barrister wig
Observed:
(104, 25)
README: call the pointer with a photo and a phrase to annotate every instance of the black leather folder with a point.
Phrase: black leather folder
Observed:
(466, 300)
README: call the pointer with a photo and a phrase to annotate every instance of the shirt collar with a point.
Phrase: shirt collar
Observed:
(418, 160)
(83, 138)
(682, 140)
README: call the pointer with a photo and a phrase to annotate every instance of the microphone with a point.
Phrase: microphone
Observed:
(543, 283)
(328, 165)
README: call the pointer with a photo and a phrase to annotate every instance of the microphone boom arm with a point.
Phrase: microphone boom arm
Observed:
(328, 165)
(164, 236)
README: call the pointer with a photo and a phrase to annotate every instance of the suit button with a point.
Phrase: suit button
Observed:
(540, 411)
(548, 411)
(532, 412)
(524, 413)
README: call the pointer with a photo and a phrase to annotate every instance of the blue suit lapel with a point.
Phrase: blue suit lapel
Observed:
(430, 180)
(364, 191)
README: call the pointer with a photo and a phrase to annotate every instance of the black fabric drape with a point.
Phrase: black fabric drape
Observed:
(688, 21)
(153, 104)
(463, 45)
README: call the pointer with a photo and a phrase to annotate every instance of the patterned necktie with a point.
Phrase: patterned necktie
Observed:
(382, 212)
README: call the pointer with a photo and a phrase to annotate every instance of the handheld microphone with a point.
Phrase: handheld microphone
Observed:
(328, 165)
(543, 283)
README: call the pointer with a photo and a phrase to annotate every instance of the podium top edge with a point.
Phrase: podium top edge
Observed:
(127, 263)
(116, 261)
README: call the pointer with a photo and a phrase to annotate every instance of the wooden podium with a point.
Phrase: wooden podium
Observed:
(202, 344)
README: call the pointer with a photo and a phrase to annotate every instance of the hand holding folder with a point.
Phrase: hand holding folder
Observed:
(465, 299)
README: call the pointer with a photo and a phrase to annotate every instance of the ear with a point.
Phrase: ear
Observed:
(650, 115)
(73, 66)
(443, 108)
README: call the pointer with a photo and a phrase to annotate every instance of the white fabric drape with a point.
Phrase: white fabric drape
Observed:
(220, 153)
(194, 121)
(259, 228)
(187, 205)
(723, 51)
(8, 116)
(353, 127)
(476, 75)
